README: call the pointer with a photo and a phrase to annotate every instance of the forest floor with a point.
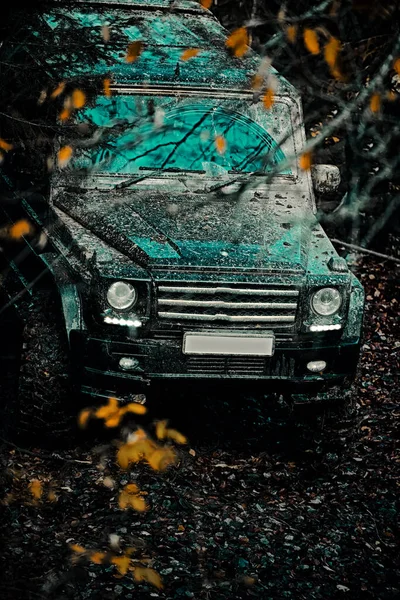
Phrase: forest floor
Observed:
(261, 505)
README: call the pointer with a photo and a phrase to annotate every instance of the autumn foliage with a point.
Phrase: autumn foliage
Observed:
(124, 563)
(238, 42)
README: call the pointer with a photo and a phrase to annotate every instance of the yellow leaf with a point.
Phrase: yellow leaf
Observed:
(161, 428)
(162, 458)
(122, 563)
(64, 114)
(331, 51)
(134, 407)
(133, 452)
(257, 81)
(249, 581)
(19, 229)
(78, 99)
(114, 420)
(335, 139)
(181, 528)
(126, 496)
(139, 504)
(177, 437)
(96, 557)
(268, 98)
(59, 90)
(123, 501)
(375, 103)
(311, 41)
(106, 87)
(36, 489)
(396, 66)
(111, 413)
(220, 144)
(1, 157)
(64, 156)
(391, 96)
(52, 496)
(133, 51)
(291, 33)
(189, 53)
(132, 488)
(5, 145)
(77, 548)
(206, 3)
(83, 417)
(238, 42)
(305, 161)
(124, 456)
(107, 410)
(149, 575)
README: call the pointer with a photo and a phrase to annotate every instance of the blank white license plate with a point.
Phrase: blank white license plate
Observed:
(228, 344)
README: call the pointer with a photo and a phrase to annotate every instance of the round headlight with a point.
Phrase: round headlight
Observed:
(326, 301)
(121, 295)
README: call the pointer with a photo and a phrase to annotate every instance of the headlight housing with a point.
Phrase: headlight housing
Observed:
(326, 301)
(121, 295)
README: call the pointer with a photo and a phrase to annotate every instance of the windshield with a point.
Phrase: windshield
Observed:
(167, 134)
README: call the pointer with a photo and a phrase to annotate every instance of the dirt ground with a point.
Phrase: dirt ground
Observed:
(262, 504)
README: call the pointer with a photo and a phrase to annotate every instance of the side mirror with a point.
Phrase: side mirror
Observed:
(326, 178)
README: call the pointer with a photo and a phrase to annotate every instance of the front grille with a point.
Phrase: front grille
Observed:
(240, 366)
(218, 303)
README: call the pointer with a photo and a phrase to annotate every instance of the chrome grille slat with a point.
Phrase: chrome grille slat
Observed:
(222, 304)
(212, 303)
(230, 318)
(226, 290)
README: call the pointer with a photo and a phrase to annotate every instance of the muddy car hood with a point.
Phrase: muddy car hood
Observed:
(193, 230)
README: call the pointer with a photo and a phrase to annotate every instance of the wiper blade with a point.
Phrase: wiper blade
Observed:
(131, 181)
(219, 186)
(154, 171)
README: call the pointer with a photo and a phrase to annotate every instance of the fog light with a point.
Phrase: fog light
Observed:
(128, 364)
(316, 366)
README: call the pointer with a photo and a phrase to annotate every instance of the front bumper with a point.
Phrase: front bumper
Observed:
(158, 359)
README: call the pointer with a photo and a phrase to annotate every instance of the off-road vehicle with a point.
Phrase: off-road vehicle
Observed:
(181, 237)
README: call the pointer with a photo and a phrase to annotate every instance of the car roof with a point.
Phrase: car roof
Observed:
(166, 29)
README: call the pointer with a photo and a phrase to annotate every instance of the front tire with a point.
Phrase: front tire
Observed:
(39, 396)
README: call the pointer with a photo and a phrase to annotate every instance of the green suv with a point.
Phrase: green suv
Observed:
(181, 236)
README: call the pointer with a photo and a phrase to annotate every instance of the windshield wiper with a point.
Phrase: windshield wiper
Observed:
(220, 186)
(129, 182)
(154, 171)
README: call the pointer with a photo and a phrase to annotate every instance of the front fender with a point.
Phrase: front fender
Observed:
(353, 330)
(71, 299)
